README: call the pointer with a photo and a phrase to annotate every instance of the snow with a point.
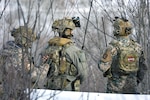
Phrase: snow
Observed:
(42, 94)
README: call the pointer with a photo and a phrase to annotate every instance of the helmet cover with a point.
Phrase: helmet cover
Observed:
(122, 27)
(23, 35)
(62, 24)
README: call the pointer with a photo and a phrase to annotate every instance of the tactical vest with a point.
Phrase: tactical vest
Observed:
(60, 69)
(127, 58)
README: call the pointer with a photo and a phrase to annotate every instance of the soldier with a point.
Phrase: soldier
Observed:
(16, 63)
(67, 63)
(123, 62)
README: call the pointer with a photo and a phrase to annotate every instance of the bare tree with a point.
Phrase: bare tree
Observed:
(94, 37)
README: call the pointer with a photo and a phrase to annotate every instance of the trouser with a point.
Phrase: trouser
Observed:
(122, 84)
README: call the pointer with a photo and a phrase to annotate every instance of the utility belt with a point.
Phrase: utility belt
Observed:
(110, 73)
(124, 73)
(119, 74)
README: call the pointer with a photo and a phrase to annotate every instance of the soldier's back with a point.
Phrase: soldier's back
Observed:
(13, 70)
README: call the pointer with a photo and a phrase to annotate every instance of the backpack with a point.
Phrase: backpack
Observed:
(127, 58)
(56, 60)
(60, 68)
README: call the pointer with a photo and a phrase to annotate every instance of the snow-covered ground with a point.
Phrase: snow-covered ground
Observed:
(41, 94)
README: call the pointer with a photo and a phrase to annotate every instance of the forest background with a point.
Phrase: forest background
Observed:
(96, 18)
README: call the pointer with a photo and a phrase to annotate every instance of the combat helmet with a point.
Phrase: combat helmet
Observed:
(61, 25)
(122, 27)
(23, 36)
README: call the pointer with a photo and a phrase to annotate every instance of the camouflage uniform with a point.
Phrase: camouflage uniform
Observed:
(123, 62)
(67, 63)
(16, 64)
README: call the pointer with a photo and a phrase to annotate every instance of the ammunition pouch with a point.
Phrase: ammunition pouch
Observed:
(76, 85)
(63, 83)
(71, 85)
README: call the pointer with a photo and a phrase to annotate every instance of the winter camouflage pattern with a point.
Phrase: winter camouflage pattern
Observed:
(23, 36)
(121, 65)
(38, 76)
(15, 66)
(67, 65)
